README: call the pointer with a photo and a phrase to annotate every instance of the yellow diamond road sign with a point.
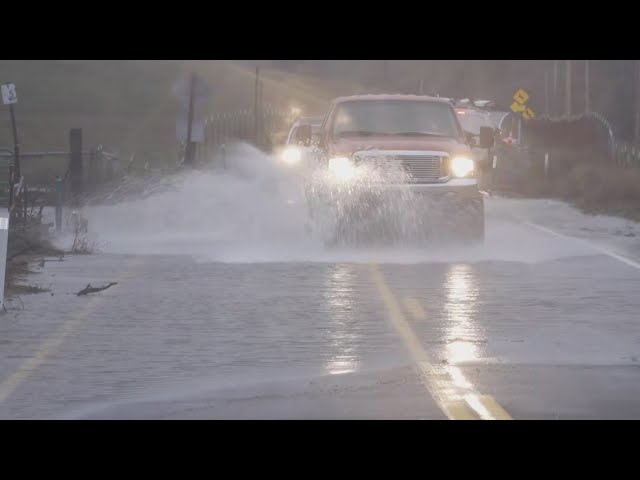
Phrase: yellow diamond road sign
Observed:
(520, 105)
(516, 107)
(528, 114)
(521, 97)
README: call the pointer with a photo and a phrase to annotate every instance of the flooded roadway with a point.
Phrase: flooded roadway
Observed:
(534, 324)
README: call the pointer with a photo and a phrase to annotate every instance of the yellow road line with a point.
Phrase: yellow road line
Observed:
(494, 407)
(414, 306)
(451, 391)
(55, 340)
(461, 411)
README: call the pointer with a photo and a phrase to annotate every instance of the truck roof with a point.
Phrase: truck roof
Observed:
(396, 96)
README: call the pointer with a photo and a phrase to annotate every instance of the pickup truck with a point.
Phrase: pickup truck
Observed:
(420, 139)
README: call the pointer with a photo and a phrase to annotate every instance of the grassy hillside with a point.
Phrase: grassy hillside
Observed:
(128, 105)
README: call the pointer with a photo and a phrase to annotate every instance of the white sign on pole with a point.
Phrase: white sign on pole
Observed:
(197, 129)
(9, 95)
(182, 90)
(4, 238)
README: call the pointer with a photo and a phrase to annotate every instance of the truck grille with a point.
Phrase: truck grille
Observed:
(421, 167)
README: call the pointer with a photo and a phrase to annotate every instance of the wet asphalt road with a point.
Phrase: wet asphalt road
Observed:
(533, 326)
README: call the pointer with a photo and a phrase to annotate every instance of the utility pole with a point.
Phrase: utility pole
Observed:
(262, 132)
(189, 150)
(587, 107)
(255, 105)
(16, 143)
(636, 110)
(75, 163)
(386, 74)
(423, 74)
(555, 85)
(546, 93)
(567, 97)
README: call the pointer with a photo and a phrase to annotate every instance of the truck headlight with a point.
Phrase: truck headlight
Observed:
(462, 167)
(342, 168)
(291, 155)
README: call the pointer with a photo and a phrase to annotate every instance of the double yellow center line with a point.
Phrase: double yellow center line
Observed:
(454, 394)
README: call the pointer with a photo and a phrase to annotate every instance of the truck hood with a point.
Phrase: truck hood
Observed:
(348, 146)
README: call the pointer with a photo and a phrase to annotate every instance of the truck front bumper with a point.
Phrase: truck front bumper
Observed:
(462, 188)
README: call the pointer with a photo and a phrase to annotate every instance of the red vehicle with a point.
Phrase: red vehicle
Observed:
(419, 136)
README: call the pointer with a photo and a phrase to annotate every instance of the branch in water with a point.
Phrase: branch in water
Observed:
(90, 289)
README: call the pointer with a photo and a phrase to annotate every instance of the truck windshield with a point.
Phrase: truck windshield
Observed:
(395, 117)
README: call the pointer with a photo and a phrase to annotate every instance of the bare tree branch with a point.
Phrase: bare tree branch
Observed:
(89, 289)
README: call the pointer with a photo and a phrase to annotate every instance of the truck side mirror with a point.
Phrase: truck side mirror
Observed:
(304, 134)
(487, 137)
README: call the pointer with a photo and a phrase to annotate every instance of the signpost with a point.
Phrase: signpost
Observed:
(192, 93)
(59, 201)
(521, 97)
(4, 239)
(9, 97)
(519, 106)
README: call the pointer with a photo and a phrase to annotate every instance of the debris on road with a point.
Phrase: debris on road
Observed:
(89, 289)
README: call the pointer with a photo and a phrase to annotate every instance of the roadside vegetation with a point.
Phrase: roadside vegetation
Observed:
(597, 189)
(583, 178)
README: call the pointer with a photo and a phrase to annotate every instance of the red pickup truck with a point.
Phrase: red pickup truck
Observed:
(421, 138)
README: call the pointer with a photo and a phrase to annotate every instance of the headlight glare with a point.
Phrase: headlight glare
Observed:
(291, 155)
(342, 168)
(462, 167)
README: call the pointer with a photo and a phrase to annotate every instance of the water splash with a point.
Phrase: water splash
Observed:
(261, 211)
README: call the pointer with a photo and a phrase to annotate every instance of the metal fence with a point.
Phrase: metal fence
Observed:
(264, 131)
(40, 170)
